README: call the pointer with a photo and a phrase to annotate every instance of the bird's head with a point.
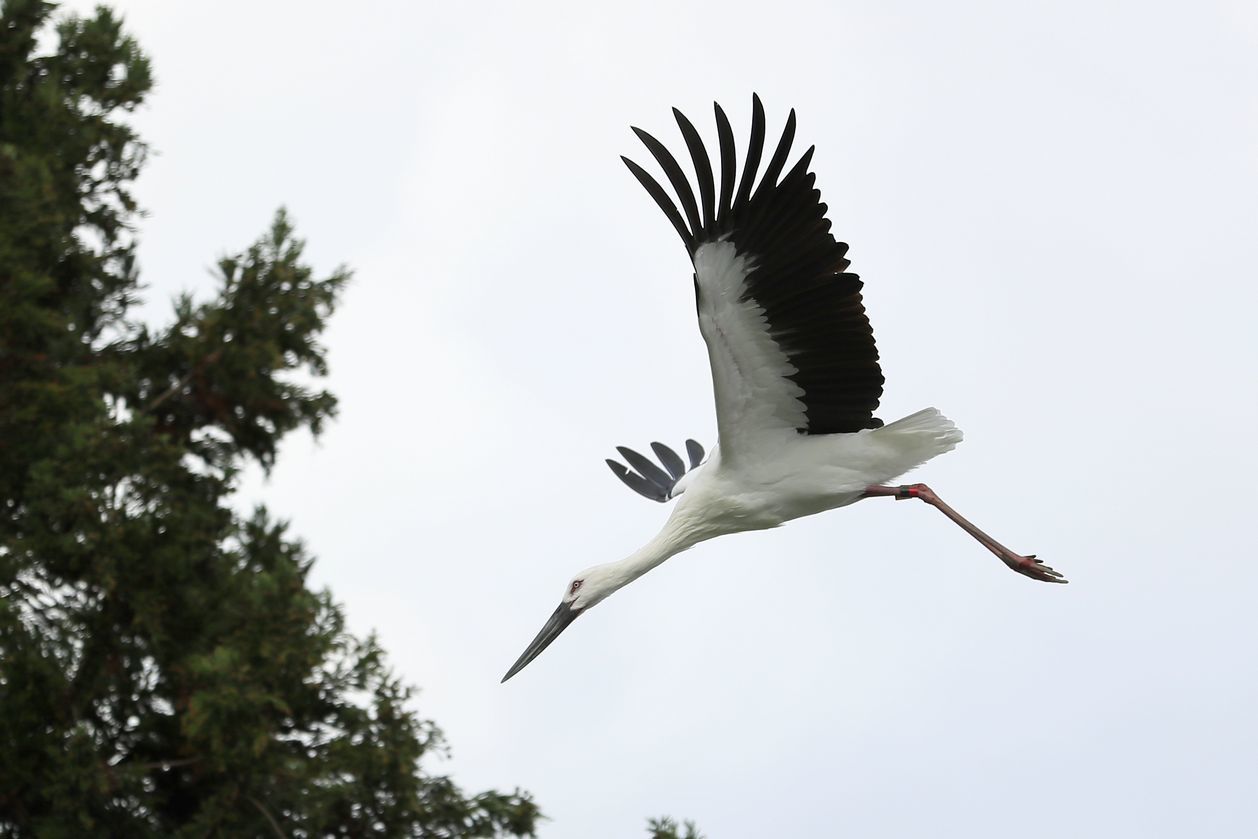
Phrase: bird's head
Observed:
(592, 586)
(586, 590)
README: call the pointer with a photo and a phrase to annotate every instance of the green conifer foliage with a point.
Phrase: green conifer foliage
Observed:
(165, 669)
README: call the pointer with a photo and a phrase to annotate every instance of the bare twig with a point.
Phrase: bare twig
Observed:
(267, 815)
(171, 391)
(212, 358)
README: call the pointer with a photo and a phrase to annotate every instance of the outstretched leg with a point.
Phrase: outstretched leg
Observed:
(1028, 565)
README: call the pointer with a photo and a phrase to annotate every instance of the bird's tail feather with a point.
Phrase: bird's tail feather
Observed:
(919, 437)
(930, 422)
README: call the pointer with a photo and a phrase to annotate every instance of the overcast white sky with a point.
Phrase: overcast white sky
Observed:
(1054, 207)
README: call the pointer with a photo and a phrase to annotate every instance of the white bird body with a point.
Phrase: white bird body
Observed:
(795, 372)
(787, 477)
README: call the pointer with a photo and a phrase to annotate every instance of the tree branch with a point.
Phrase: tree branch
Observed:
(183, 381)
(267, 815)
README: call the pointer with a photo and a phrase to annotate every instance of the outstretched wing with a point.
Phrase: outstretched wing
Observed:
(649, 480)
(788, 340)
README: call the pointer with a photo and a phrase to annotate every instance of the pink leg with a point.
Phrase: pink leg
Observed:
(1028, 565)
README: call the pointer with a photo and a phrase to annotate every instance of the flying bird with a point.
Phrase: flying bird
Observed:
(795, 371)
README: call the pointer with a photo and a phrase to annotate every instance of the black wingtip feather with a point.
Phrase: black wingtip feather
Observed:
(770, 178)
(646, 468)
(755, 148)
(661, 198)
(672, 462)
(729, 166)
(695, 452)
(649, 480)
(637, 483)
(703, 166)
(672, 169)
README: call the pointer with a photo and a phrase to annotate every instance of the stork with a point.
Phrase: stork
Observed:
(795, 372)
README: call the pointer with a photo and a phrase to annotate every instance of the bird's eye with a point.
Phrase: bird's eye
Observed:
(576, 584)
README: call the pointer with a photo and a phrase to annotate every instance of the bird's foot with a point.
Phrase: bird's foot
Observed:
(1031, 567)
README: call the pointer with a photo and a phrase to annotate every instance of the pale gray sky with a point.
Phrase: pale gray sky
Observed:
(1054, 208)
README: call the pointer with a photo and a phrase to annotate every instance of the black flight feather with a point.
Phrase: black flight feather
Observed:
(649, 480)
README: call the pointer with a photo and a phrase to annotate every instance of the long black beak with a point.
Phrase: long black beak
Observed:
(558, 622)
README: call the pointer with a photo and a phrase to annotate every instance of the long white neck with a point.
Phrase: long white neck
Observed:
(678, 534)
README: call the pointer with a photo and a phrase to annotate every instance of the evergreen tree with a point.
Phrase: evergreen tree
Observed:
(165, 670)
(667, 828)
